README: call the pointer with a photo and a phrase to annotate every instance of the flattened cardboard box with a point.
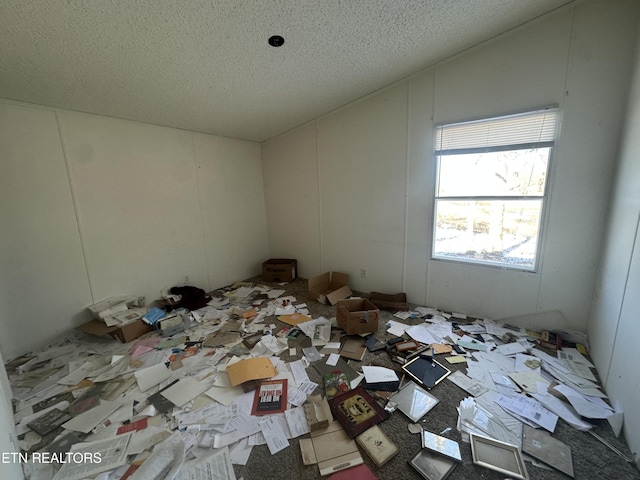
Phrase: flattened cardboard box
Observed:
(331, 449)
(332, 286)
(125, 333)
(279, 270)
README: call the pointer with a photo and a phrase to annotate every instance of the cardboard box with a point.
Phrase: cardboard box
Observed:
(317, 412)
(391, 302)
(279, 270)
(357, 315)
(124, 333)
(329, 287)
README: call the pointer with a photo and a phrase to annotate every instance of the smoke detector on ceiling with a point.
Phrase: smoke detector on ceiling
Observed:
(276, 41)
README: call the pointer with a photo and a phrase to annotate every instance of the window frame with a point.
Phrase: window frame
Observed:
(544, 197)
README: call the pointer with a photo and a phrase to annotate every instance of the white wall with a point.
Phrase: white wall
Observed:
(292, 190)
(374, 167)
(362, 178)
(44, 284)
(94, 206)
(614, 324)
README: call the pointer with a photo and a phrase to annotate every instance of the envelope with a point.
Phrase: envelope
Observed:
(250, 369)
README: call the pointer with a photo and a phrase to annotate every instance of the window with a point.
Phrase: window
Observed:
(491, 188)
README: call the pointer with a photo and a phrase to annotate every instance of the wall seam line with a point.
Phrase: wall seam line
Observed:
(75, 205)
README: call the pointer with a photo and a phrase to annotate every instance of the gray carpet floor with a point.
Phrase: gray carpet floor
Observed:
(591, 458)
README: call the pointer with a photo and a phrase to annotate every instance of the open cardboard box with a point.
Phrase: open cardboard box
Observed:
(124, 333)
(357, 315)
(330, 287)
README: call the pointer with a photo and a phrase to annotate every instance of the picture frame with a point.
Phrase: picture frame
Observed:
(426, 371)
(441, 445)
(414, 401)
(432, 466)
(357, 411)
(499, 456)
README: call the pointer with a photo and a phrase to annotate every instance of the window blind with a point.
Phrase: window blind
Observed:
(530, 128)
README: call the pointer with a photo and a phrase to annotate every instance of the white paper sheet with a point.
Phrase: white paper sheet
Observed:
(275, 293)
(423, 334)
(296, 397)
(527, 363)
(530, 409)
(376, 374)
(583, 406)
(244, 425)
(216, 466)
(184, 390)
(333, 359)
(529, 381)
(151, 376)
(297, 422)
(241, 452)
(308, 387)
(88, 420)
(396, 328)
(274, 435)
(563, 410)
(224, 395)
(113, 453)
(521, 346)
(299, 372)
(469, 385)
(165, 461)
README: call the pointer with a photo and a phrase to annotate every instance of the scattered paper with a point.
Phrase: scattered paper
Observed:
(112, 453)
(151, 376)
(273, 434)
(529, 409)
(184, 390)
(87, 421)
(333, 359)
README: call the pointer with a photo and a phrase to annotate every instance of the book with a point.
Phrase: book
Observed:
(377, 445)
(335, 383)
(270, 397)
(357, 411)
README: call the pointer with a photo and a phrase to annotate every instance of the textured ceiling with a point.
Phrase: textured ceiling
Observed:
(206, 65)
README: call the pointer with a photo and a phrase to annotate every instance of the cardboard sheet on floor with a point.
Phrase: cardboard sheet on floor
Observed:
(353, 348)
(331, 449)
(541, 445)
